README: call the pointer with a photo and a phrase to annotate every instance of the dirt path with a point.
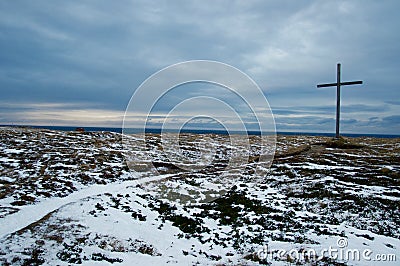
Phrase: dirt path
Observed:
(32, 213)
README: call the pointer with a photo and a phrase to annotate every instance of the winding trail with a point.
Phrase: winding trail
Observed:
(32, 213)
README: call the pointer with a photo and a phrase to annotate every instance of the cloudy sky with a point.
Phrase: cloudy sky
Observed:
(78, 62)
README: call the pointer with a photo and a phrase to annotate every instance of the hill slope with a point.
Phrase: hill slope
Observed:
(68, 197)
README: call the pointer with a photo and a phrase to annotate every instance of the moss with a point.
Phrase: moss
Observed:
(103, 257)
(390, 173)
(70, 253)
(138, 216)
(36, 257)
(185, 224)
(18, 203)
(293, 151)
(343, 143)
(99, 207)
(27, 198)
(149, 250)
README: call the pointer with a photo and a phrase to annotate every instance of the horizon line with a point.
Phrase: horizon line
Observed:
(195, 130)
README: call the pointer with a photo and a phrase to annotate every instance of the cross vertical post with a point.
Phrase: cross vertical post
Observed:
(338, 84)
(337, 101)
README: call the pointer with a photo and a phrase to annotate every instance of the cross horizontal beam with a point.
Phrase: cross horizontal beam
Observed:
(341, 84)
(337, 84)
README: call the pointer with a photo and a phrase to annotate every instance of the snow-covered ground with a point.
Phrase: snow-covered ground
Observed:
(70, 198)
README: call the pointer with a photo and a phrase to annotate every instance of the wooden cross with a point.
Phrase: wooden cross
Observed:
(337, 85)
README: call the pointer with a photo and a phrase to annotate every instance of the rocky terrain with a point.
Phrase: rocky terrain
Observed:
(70, 198)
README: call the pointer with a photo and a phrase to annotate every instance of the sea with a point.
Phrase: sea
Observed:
(199, 131)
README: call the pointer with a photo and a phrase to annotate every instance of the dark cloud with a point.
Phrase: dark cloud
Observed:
(392, 120)
(393, 102)
(92, 56)
(330, 109)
